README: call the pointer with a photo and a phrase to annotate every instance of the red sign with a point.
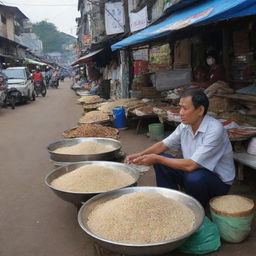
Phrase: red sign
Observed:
(87, 40)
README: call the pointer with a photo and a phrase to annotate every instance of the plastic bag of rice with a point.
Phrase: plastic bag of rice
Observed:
(233, 215)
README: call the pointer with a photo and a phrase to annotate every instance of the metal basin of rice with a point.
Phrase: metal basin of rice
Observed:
(157, 248)
(77, 198)
(60, 157)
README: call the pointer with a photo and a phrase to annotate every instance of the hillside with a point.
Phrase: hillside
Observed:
(52, 39)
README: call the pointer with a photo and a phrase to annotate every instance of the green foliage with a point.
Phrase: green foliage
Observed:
(52, 39)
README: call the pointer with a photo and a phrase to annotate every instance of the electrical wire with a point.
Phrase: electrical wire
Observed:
(20, 4)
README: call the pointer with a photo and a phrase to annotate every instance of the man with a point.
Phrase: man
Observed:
(37, 76)
(48, 75)
(207, 167)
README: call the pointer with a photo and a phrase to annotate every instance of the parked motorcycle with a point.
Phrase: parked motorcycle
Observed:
(3, 90)
(40, 88)
(13, 96)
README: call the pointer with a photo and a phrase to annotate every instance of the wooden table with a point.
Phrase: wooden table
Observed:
(140, 119)
(244, 159)
(239, 97)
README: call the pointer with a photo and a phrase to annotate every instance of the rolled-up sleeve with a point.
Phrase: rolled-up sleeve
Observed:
(212, 148)
(174, 139)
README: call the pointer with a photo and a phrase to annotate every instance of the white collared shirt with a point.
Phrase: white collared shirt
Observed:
(209, 147)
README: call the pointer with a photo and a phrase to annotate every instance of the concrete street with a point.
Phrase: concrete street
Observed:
(33, 220)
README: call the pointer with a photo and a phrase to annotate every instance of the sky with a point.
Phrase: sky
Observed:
(60, 12)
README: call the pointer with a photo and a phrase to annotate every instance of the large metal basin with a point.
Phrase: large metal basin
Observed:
(77, 198)
(108, 156)
(158, 248)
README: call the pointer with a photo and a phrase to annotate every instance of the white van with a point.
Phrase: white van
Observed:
(19, 78)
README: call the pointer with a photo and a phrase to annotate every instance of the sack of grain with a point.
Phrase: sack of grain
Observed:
(233, 215)
(252, 146)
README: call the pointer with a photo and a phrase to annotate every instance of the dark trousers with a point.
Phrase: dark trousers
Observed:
(201, 184)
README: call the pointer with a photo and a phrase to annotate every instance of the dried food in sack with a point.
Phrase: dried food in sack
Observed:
(161, 110)
(91, 106)
(173, 115)
(233, 215)
(122, 102)
(90, 99)
(91, 130)
(241, 132)
(218, 105)
(143, 111)
(94, 117)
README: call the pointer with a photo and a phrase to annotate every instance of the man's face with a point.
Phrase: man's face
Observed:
(188, 113)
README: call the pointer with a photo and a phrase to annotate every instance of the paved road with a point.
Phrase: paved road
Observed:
(33, 221)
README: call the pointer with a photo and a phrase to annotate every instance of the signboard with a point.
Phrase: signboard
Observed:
(87, 40)
(114, 18)
(139, 19)
(141, 54)
(184, 22)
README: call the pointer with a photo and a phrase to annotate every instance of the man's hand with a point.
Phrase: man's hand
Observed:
(130, 158)
(146, 159)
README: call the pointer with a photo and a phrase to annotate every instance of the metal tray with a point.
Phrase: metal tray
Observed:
(77, 198)
(108, 156)
(158, 248)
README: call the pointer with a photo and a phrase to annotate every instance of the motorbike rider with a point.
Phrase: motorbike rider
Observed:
(48, 75)
(37, 76)
(37, 79)
(56, 77)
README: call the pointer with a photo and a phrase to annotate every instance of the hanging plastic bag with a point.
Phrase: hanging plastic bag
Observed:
(205, 240)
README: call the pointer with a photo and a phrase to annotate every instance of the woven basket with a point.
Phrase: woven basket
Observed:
(237, 214)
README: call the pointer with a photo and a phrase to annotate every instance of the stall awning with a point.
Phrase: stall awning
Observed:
(203, 12)
(86, 57)
(34, 62)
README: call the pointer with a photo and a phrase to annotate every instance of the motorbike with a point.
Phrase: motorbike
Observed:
(47, 81)
(54, 82)
(40, 88)
(12, 97)
(3, 95)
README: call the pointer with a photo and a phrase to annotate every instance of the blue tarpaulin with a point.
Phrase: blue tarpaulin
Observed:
(203, 12)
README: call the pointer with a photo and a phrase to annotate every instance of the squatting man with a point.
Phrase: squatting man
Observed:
(207, 167)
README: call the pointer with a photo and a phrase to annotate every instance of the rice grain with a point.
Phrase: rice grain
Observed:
(141, 217)
(93, 178)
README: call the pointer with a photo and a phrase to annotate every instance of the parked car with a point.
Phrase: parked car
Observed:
(19, 78)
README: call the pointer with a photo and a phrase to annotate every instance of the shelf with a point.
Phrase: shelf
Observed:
(243, 97)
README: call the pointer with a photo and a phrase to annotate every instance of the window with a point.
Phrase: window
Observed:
(3, 19)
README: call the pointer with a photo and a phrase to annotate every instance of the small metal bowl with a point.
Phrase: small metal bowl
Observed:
(59, 157)
(158, 248)
(77, 198)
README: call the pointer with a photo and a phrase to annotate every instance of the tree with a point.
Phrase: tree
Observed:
(52, 39)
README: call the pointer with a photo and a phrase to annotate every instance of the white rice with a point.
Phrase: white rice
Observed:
(93, 178)
(141, 217)
(231, 204)
(84, 148)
